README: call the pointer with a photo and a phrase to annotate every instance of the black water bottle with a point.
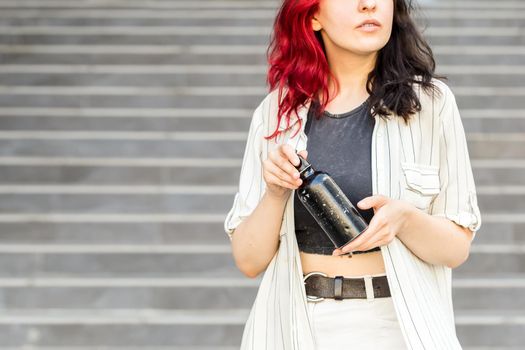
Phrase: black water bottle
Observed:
(329, 206)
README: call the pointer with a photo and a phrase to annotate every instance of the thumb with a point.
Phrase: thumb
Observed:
(303, 153)
(366, 202)
(372, 201)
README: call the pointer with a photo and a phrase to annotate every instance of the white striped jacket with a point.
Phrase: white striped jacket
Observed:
(426, 163)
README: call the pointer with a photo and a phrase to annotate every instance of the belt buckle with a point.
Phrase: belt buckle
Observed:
(309, 297)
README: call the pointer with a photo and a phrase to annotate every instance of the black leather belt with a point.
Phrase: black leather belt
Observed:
(319, 286)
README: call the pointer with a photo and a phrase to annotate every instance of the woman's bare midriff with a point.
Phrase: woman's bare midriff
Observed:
(358, 265)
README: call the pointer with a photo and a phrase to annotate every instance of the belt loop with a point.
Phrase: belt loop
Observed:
(338, 287)
(369, 287)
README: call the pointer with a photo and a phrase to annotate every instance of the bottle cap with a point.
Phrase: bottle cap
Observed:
(303, 165)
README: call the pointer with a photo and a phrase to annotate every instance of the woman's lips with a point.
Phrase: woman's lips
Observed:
(369, 27)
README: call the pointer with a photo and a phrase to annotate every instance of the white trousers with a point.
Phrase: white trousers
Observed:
(363, 324)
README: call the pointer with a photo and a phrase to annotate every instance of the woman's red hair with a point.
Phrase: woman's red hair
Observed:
(296, 58)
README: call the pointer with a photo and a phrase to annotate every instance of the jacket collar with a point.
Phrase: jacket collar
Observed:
(302, 113)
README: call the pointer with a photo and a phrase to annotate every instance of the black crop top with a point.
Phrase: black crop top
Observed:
(340, 145)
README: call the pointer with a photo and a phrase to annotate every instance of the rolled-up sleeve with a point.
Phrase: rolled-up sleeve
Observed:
(251, 184)
(457, 199)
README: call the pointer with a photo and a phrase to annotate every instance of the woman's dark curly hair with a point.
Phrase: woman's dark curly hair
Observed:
(298, 64)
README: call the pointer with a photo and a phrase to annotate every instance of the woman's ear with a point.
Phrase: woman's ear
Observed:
(316, 25)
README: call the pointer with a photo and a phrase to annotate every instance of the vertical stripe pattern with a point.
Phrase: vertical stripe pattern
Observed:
(426, 163)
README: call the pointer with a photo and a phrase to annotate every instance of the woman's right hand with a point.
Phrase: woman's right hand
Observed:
(279, 171)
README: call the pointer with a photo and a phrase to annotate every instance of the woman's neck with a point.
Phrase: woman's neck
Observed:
(351, 71)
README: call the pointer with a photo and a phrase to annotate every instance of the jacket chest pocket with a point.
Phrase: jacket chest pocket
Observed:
(421, 184)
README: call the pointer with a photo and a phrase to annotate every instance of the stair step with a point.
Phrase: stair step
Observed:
(122, 148)
(202, 328)
(180, 146)
(152, 18)
(201, 348)
(229, 4)
(251, 11)
(147, 53)
(216, 97)
(222, 70)
(188, 171)
(165, 232)
(208, 31)
(474, 293)
(181, 200)
(136, 328)
(123, 265)
(212, 75)
(502, 124)
(38, 262)
(25, 347)
(56, 36)
(162, 232)
(200, 120)
(162, 249)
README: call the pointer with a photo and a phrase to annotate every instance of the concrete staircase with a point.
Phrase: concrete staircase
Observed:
(111, 207)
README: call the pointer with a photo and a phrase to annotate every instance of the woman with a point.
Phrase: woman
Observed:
(356, 81)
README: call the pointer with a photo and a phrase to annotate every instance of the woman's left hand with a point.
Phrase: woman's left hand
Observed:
(390, 216)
